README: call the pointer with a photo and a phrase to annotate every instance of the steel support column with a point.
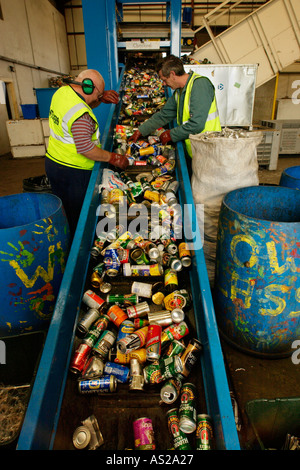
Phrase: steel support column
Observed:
(99, 18)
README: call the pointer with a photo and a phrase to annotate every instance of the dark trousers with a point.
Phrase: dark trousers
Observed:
(70, 185)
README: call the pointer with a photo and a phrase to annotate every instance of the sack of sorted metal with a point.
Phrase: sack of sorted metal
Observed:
(222, 161)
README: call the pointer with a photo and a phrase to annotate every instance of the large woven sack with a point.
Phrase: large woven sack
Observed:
(222, 161)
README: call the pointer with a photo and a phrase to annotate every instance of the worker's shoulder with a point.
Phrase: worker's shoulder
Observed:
(201, 82)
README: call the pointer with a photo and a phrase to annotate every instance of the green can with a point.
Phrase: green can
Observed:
(180, 440)
(176, 348)
(204, 432)
(122, 299)
(138, 256)
(170, 367)
(100, 268)
(187, 409)
(152, 373)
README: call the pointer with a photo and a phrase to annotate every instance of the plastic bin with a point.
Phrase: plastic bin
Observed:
(30, 111)
(44, 97)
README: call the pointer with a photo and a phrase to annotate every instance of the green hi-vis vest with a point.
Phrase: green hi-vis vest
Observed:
(212, 121)
(66, 106)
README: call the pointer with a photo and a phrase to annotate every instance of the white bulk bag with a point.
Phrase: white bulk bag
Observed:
(222, 161)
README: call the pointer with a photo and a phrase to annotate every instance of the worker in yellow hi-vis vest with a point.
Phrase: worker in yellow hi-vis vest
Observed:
(74, 142)
(193, 105)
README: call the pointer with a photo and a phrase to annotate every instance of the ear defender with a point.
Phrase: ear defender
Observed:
(87, 85)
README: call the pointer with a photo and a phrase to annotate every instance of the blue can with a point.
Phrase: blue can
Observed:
(126, 328)
(121, 373)
(112, 262)
(103, 384)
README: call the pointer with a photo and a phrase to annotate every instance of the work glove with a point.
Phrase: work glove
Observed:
(110, 96)
(135, 136)
(120, 161)
(165, 137)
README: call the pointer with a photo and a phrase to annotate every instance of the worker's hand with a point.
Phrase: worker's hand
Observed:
(110, 96)
(165, 137)
(135, 136)
(120, 161)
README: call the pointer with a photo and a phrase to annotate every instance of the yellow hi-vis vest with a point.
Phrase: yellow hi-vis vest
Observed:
(66, 106)
(212, 121)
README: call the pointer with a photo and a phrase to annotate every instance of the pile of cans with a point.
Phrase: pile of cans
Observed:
(143, 94)
(182, 421)
(146, 151)
(134, 332)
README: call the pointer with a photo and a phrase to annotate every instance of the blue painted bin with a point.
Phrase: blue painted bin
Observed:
(34, 244)
(257, 286)
(290, 177)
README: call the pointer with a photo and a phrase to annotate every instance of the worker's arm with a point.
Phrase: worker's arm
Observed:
(161, 118)
(82, 130)
(202, 96)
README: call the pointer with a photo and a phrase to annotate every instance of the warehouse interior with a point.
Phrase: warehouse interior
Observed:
(47, 40)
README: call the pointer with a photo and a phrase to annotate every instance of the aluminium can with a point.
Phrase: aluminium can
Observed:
(175, 348)
(95, 331)
(119, 371)
(204, 432)
(136, 378)
(103, 384)
(177, 315)
(125, 329)
(99, 268)
(123, 254)
(81, 437)
(139, 310)
(170, 367)
(87, 321)
(191, 356)
(112, 262)
(117, 315)
(187, 411)
(79, 358)
(175, 331)
(96, 280)
(170, 391)
(152, 373)
(174, 300)
(92, 300)
(142, 288)
(115, 196)
(93, 369)
(140, 323)
(180, 440)
(184, 255)
(122, 299)
(138, 256)
(163, 318)
(153, 342)
(104, 343)
(143, 434)
(133, 341)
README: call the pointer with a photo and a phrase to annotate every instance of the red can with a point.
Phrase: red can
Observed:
(117, 315)
(79, 358)
(123, 254)
(153, 342)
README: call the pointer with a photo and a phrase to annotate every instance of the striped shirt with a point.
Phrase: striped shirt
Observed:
(83, 129)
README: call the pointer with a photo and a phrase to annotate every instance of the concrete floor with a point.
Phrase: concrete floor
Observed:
(250, 377)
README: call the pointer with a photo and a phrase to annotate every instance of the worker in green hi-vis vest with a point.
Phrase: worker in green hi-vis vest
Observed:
(193, 105)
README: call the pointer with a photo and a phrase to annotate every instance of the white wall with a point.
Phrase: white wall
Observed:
(34, 44)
